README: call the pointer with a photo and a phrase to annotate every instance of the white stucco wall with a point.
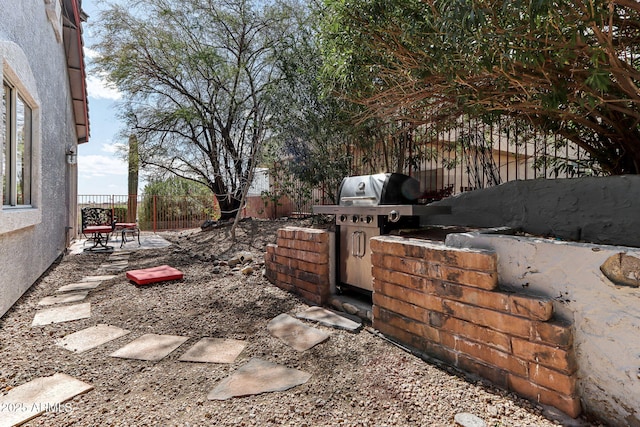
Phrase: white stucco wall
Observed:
(32, 239)
(606, 316)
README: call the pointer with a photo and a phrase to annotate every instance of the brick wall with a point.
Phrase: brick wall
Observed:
(446, 303)
(299, 263)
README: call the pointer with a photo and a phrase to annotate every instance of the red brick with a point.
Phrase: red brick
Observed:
(408, 310)
(403, 279)
(530, 307)
(495, 320)
(555, 333)
(311, 257)
(484, 353)
(469, 330)
(286, 233)
(285, 269)
(309, 297)
(473, 278)
(568, 404)
(419, 343)
(467, 294)
(305, 245)
(289, 262)
(497, 376)
(301, 284)
(435, 253)
(554, 380)
(426, 301)
(404, 265)
(310, 234)
(398, 321)
(552, 357)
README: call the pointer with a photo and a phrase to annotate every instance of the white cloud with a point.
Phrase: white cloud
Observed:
(113, 148)
(93, 165)
(99, 88)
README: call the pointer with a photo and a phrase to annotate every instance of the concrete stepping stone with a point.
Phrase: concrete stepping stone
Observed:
(62, 314)
(214, 350)
(118, 263)
(89, 338)
(81, 286)
(294, 333)
(112, 268)
(329, 318)
(152, 347)
(97, 278)
(31, 399)
(256, 377)
(465, 419)
(64, 298)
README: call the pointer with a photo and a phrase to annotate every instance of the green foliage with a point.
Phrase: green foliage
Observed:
(176, 200)
(567, 65)
(197, 79)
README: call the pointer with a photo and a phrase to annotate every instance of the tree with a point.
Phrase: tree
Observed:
(570, 67)
(197, 78)
(312, 129)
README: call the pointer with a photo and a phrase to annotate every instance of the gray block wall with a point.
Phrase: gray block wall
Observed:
(604, 210)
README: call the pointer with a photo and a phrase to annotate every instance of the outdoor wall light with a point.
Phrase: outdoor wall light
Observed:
(72, 157)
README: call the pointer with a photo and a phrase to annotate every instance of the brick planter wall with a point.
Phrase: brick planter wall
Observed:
(445, 303)
(299, 263)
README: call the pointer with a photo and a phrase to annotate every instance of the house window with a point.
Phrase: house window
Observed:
(17, 146)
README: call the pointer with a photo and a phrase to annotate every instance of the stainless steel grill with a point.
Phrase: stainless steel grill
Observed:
(369, 206)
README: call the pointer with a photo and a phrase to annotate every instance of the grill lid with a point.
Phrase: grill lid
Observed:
(379, 189)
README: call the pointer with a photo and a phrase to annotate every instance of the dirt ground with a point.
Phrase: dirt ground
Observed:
(358, 379)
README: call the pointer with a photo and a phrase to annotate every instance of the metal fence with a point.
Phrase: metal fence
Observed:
(155, 212)
(470, 155)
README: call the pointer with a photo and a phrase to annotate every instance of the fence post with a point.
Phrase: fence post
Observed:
(155, 218)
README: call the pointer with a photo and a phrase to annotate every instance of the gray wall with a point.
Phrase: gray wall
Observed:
(27, 252)
(597, 210)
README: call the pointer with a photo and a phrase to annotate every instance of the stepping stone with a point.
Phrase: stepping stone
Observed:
(63, 298)
(258, 376)
(112, 268)
(151, 347)
(62, 314)
(29, 400)
(329, 318)
(465, 419)
(115, 264)
(214, 350)
(89, 338)
(294, 333)
(82, 286)
(97, 278)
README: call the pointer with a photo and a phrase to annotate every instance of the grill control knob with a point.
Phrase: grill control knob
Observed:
(369, 219)
(354, 218)
(343, 218)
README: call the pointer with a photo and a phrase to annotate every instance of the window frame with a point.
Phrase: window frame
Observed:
(19, 185)
(15, 70)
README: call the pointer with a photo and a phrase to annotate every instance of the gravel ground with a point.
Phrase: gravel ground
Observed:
(359, 379)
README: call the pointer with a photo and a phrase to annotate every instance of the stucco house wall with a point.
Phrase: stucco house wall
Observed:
(33, 58)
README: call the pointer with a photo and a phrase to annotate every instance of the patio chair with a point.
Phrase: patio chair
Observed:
(97, 225)
(127, 228)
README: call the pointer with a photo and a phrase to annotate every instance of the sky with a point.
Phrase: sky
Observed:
(101, 169)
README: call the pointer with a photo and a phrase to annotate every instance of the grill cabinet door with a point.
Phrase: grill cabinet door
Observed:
(355, 256)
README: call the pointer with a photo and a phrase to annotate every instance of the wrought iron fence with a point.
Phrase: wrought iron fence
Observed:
(472, 154)
(156, 212)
